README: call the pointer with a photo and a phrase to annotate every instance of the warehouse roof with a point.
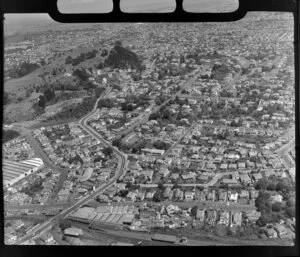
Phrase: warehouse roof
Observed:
(12, 170)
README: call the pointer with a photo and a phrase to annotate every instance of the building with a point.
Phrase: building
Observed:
(72, 231)
(156, 152)
(87, 174)
(14, 171)
(164, 238)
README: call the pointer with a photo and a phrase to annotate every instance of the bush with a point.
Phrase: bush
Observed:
(263, 220)
(9, 135)
(261, 184)
(277, 207)
(194, 211)
(157, 197)
(271, 187)
(282, 187)
(290, 211)
(65, 224)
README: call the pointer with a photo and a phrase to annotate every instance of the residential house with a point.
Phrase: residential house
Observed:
(271, 232)
(131, 196)
(189, 195)
(211, 196)
(233, 197)
(178, 194)
(200, 215)
(222, 196)
(245, 179)
(140, 195)
(284, 232)
(149, 195)
(211, 217)
(224, 218)
(256, 176)
(253, 194)
(253, 216)
(200, 195)
(236, 219)
(276, 198)
(168, 193)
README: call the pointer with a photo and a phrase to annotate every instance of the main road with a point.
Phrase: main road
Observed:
(122, 164)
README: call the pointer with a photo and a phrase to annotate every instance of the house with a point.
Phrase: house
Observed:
(211, 196)
(233, 197)
(147, 173)
(245, 179)
(223, 196)
(284, 232)
(200, 195)
(223, 166)
(235, 175)
(229, 182)
(140, 195)
(271, 232)
(174, 176)
(211, 217)
(244, 194)
(241, 165)
(253, 216)
(256, 176)
(254, 194)
(178, 194)
(268, 173)
(131, 196)
(150, 195)
(224, 218)
(189, 195)
(276, 198)
(232, 166)
(236, 219)
(168, 193)
(171, 209)
(164, 172)
(200, 215)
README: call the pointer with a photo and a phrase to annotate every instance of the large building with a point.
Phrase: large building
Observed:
(14, 171)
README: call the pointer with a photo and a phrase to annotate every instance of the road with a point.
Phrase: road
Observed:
(119, 172)
(8, 207)
(283, 152)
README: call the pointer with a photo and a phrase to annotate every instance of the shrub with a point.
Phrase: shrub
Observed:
(277, 207)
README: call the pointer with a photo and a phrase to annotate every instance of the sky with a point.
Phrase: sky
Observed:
(14, 22)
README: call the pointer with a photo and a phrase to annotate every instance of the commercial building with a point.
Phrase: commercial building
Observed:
(14, 171)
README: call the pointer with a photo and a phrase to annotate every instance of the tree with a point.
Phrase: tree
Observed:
(261, 184)
(290, 202)
(194, 211)
(161, 186)
(42, 101)
(107, 151)
(65, 224)
(49, 94)
(276, 207)
(156, 197)
(5, 98)
(290, 211)
(262, 221)
(271, 187)
(283, 187)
